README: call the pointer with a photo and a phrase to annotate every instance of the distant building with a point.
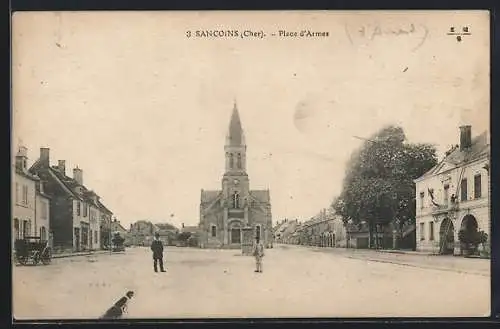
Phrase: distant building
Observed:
(30, 204)
(226, 214)
(141, 233)
(323, 230)
(454, 196)
(75, 210)
(116, 227)
(168, 233)
(284, 230)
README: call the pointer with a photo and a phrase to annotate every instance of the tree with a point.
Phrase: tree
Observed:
(378, 185)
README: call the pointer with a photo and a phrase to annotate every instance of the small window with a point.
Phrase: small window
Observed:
(463, 190)
(236, 200)
(78, 208)
(431, 231)
(477, 186)
(422, 231)
(239, 161)
(43, 233)
(446, 195)
(85, 209)
(214, 231)
(422, 195)
(25, 194)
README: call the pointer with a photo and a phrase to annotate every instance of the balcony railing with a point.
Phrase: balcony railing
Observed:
(445, 208)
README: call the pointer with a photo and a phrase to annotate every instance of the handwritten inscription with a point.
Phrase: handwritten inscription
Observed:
(370, 33)
(459, 34)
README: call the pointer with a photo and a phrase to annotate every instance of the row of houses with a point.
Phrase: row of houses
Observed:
(323, 230)
(49, 204)
(451, 197)
(141, 233)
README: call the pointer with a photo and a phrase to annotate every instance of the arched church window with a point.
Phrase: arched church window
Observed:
(214, 231)
(236, 200)
(239, 161)
(231, 161)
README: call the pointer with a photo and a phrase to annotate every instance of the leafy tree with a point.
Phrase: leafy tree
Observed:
(378, 185)
(184, 236)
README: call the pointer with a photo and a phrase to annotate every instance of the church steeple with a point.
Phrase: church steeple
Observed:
(235, 135)
(235, 147)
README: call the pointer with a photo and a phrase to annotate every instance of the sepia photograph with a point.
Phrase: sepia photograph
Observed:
(232, 164)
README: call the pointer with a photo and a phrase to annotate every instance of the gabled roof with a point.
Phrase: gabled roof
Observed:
(103, 207)
(191, 229)
(71, 186)
(261, 195)
(209, 195)
(480, 147)
(26, 173)
(119, 225)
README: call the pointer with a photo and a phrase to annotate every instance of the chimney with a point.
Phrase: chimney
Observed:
(78, 175)
(45, 156)
(22, 158)
(62, 166)
(465, 137)
(182, 225)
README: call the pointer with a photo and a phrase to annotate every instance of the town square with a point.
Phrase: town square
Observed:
(296, 282)
(163, 177)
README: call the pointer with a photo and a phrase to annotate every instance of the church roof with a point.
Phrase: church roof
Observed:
(261, 195)
(209, 195)
(235, 135)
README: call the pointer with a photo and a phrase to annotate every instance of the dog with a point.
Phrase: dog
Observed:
(119, 308)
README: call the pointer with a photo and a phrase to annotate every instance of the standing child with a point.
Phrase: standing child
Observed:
(258, 252)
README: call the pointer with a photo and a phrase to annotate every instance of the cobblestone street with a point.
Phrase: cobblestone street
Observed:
(297, 282)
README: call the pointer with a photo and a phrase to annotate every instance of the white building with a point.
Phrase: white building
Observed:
(455, 195)
(30, 205)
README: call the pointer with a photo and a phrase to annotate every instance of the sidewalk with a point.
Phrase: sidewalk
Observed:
(450, 263)
(81, 253)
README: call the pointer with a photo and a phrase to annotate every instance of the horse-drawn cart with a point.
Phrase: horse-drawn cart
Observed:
(32, 250)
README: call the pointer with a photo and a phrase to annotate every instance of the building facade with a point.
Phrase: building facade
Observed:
(141, 233)
(454, 195)
(225, 214)
(24, 198)
(323, 230)
(75, 210)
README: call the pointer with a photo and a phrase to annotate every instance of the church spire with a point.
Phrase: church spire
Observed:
(235, 135)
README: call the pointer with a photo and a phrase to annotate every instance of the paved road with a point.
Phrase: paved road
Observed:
(297, 282)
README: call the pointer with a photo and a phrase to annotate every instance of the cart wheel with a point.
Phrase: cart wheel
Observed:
(46, 258)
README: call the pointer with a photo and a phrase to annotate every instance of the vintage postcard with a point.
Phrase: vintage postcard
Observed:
(284, 164)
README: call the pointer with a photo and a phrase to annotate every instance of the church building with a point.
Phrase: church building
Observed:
(225, 214)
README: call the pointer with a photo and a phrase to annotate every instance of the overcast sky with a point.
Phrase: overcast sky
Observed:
(144, 110)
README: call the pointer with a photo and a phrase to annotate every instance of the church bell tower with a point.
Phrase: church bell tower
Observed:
(235, 183)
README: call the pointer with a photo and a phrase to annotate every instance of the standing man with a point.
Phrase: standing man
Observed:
(258, 252)
(157, 248)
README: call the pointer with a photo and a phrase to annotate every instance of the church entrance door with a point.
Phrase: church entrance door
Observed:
(235, 235)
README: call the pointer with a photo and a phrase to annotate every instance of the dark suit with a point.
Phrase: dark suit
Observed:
(157, 248)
